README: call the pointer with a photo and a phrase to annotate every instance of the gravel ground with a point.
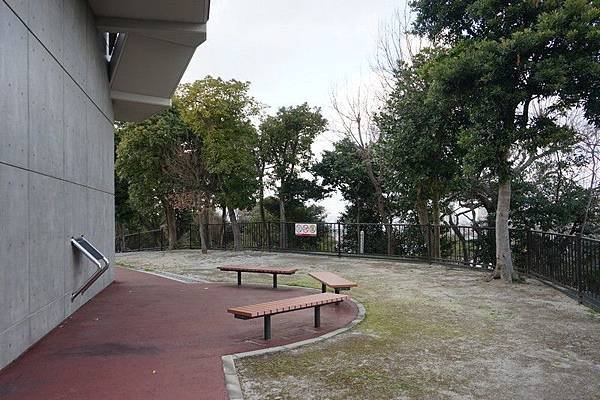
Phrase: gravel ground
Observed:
(431, 332)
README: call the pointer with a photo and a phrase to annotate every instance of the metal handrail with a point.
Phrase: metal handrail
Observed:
(95, 256)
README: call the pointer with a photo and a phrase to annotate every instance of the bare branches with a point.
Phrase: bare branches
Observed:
(355, 117)
(395, 44)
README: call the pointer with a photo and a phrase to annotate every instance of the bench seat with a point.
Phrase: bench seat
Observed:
(265, 310)
(332, 280)
(259, 270)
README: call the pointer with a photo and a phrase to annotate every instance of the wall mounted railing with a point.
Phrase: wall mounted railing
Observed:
(95, 256)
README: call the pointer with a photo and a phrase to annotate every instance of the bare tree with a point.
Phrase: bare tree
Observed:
(355, 121)
(395, 43)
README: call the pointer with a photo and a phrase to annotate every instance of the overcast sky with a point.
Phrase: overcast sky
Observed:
(293, 51)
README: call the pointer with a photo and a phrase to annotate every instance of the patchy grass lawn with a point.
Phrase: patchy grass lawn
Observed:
(430, 332)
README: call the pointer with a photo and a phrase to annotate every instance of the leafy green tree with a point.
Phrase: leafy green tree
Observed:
(419, 143)
(504, 61)
(221, 113)
(297, 211)
(342, 170)
(144, 154)
(288, 136)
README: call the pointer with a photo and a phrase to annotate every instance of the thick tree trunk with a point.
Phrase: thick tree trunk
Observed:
(282, 225)
(504, 265)
(203, 219)
(120, 234)
(235, 227)
(171, 224)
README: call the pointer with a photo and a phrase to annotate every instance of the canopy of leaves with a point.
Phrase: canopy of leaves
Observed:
(288, 137)
(505, 57)
(342, 169)
(419, 134)
(144, 152)
(221, 113)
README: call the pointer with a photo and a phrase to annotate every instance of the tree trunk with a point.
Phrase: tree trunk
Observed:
(261, 207)
(222, 238)
(380, 199)
(357, 225)
(504, 265)
(436, 240)
(261, 203)
(235, 227)
(389, 230)
(171, 224)
(282, 225)
(202, 229)
(423, 217)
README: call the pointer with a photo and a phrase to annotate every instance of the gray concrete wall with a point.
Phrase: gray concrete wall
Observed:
(56, 164)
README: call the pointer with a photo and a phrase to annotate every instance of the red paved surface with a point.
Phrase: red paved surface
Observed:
(146, 337)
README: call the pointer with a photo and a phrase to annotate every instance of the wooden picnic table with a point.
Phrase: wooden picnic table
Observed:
(259, 270)
(333, 281)
(265, 310)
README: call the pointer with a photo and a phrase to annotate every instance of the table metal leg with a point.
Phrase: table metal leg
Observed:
(239, 278)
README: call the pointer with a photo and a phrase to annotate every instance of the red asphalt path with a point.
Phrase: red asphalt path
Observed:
(147, 337)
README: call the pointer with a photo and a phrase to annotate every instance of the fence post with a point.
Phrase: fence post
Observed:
(339, 232)
(191, 231)
(269, 242)
(579, 266)
(160, 233)
(139, 241)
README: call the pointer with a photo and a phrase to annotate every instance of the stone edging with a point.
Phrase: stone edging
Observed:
(232, 381)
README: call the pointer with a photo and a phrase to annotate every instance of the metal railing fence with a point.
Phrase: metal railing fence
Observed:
(570, 262)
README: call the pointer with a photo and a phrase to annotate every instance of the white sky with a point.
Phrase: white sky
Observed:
(293, 51)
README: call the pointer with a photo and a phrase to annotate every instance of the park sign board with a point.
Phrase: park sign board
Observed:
(306, 229)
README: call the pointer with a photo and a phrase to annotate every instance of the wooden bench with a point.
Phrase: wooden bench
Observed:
(333, 281)
(265, 310)
(267, 270)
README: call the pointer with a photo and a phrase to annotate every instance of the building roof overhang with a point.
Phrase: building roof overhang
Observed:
(157, 39)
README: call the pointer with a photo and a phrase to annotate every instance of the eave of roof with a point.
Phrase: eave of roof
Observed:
(156, 42)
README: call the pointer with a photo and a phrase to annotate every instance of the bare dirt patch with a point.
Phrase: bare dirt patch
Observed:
(430, 332)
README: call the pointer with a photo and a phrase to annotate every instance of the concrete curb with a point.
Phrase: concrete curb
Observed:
(232, 382)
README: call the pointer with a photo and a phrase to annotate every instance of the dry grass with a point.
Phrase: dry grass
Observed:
(430, 332)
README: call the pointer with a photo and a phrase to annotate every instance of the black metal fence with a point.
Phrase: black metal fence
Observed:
(571, 262)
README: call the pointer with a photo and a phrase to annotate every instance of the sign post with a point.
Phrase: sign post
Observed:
(361, 245)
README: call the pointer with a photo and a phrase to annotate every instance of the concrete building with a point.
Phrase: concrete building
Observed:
(68, 69)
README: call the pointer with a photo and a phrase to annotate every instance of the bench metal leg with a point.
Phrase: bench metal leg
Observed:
(317, 316)
(239, 278)
(267, 326)
(323, 288)
(274, 281)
